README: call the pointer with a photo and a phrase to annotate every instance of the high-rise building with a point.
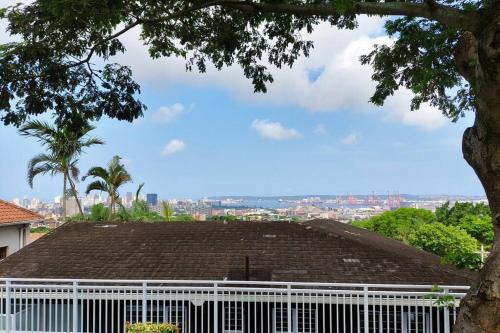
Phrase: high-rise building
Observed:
(16, 201)
(35, 203)
(71, 207)
(129, 198)
(26, 202)
(152, 199)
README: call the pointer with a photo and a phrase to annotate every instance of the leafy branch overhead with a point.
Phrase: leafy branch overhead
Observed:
(63, 61)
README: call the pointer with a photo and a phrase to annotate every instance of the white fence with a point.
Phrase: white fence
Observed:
(48, 305)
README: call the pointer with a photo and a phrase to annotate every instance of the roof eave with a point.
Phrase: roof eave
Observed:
(9, 224)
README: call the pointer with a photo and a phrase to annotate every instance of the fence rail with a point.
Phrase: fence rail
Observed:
(56, 305)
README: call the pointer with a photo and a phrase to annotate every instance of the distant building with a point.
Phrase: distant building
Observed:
(15, 227)
(35, 203)
(71, 207)
(152, 199)
(204, 210)
(129, 198)
(199, 217)
(26, 202)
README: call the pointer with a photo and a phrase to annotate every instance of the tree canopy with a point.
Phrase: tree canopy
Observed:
(398, 224)
(453, 233)
(473, 218)
(453, 244)
(62, 59)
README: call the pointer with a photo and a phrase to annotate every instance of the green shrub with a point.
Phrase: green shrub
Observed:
(99, 212)
(39, 230)
(398, 224)
(451, 243)
(152, 328)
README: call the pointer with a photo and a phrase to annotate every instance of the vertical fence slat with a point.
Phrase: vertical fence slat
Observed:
(8, 306)
(365, 310)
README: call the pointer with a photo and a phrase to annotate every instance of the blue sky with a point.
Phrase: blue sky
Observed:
(313, 133)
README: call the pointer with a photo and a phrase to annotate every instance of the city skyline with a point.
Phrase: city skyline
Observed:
(313, 133)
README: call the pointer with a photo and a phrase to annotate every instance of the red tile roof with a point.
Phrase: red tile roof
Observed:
(10, 213)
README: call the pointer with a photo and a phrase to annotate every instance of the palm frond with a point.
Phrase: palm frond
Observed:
(39, 130)
(98, 172)
(138, 192)
(74, 171)
(122, 177)
(97, 185)
(92, 141)
(42, 164)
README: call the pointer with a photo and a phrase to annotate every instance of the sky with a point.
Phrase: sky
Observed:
(314, 132)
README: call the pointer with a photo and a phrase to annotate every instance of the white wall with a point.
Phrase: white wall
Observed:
(11, 236)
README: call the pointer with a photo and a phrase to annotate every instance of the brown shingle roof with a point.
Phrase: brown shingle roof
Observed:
(278, 251)
(10, 213)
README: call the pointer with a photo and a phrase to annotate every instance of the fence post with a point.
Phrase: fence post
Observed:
(144, 302)
(216, 308)
(365, 310)
(8, 309)
(75, 306)
(289, 308)
(446, 314)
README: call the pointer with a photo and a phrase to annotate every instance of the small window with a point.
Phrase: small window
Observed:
(281, 318)
(3, 252)
(233, 317)
(304, 319)
(175, 315)
(416, 322)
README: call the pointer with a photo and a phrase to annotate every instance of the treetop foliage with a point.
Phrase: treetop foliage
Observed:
(452, 232)
(398, 224)
(451, 243)
(63, 60)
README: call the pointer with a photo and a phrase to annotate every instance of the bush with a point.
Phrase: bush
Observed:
(152, 328)
(40, 230)
(451, 243)
(99, 213)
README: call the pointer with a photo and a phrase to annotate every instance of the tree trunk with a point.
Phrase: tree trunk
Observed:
(478, 60)
(64, 195)
(112, 204)
(75, 194)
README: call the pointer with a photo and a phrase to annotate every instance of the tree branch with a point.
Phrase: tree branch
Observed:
(449, 16)
(142, 21)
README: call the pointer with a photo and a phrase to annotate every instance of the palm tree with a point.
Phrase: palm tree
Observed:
(64, 144)
(167, 210)
(111, 178)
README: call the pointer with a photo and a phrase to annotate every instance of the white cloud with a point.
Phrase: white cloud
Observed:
(166, 114)
(342, 84)
(173, 146)
(320, 130)
(427, 118)
(351, 139)
(274, 130)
